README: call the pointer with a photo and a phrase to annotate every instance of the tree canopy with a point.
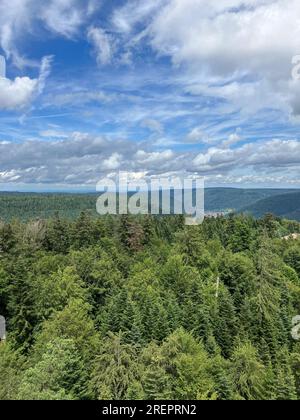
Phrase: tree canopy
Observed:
(148, 308)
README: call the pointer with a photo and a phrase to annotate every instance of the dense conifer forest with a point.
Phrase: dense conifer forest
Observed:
(148, 308)
(283, 203)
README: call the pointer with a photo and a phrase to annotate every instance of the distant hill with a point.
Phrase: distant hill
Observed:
(285, 205)
(237, 199)
(25, 206)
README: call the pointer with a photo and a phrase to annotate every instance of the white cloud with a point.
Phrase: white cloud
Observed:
(19, 18)
(247, 97)
(63, 16)
(271, 154)
(20, 92)
(154, 157)
(82, 97)
(103, 45)
(153, 125)
(262, 180)
(230, 35)
(15, 22)
(51, 133)
(45, 71)
(237, 50)
(196, 135)
(112, 163)
(2, 67)
(230, 57)
(81, 158)
(125, 18)
(223, 42)
(232, 139)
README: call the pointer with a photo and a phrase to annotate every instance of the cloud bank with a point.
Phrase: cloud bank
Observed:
(81, 158)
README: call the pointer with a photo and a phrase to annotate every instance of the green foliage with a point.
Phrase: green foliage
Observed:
(292, 258)
(248, 372)
(52, 293)
(286, 204)
(56, 376)
(115, 369)
(11, 365)
(146, 308)
(26, 206)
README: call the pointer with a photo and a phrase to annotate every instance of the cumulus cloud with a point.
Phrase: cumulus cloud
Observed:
(239, 50)
(113, 162)
(230, 35)
(81, 158)
(18, 93)
(154, 157)
(274, 154)
(74, 158)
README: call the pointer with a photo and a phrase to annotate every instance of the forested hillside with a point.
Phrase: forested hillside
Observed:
(283, 205)
(146, 308)
(26, 206)
(237, 199)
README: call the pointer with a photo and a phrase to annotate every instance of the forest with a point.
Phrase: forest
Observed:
(146, 308)
(284, 203)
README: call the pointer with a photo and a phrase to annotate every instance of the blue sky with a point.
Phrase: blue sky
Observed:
(152, 87)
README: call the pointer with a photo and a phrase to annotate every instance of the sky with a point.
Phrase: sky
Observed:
(153, 87)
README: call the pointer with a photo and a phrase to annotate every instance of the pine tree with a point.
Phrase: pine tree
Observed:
(115, 369)
(225, 323)
(220, 370)
(20, 302)
(7, 238)
(131, 234)
(57, 237)
(148, 229)
(295, 364)
(156, 383)
(83, 234)
(187, 363)
(237, 272)
(58, 375)
(12, 364)
(285, 386)
(248, 372)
